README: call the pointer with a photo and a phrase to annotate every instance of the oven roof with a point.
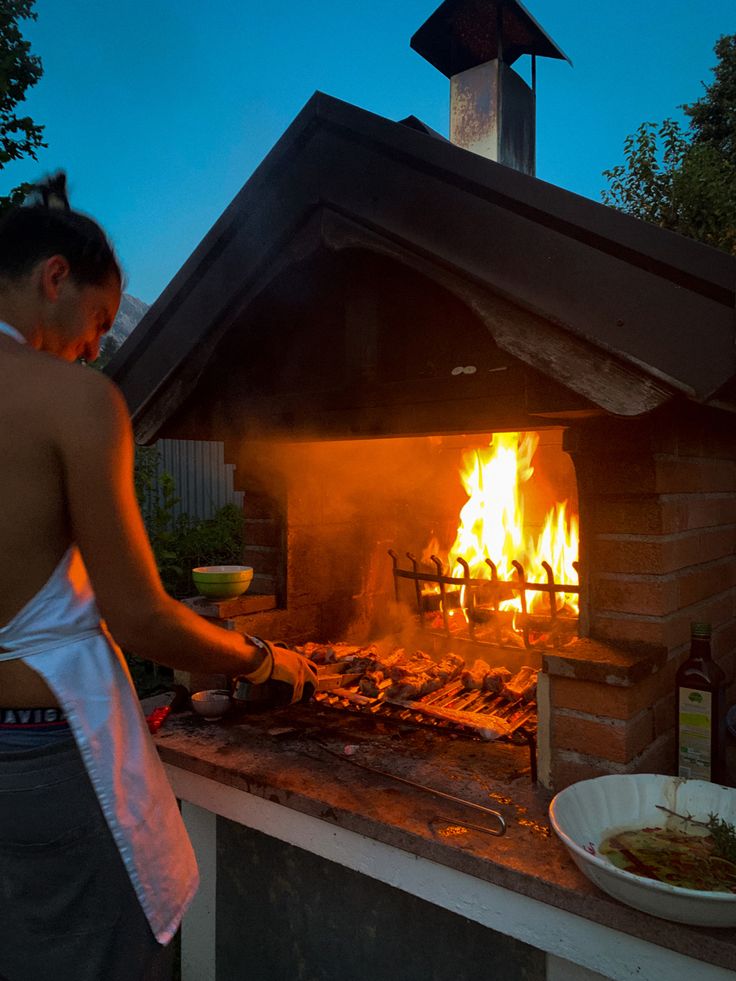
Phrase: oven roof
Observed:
(640, 314)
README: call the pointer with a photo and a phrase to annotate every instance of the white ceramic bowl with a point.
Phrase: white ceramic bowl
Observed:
(212, 704)
(586, 813)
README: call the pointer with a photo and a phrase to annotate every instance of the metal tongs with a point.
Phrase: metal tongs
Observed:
(500, 830)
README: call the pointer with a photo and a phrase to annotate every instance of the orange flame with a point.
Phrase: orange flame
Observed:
(492, 523)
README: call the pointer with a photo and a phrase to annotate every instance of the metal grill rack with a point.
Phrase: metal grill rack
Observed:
(473, 714)
(481, 620)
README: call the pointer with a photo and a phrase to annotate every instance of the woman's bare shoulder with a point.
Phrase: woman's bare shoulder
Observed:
(34, 364)
(71, 394)
(50, 399)
(90, 388)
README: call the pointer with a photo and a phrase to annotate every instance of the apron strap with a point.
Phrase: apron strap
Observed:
(24, 650)
(11, 332)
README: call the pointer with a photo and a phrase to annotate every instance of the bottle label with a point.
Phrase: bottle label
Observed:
(694, 721)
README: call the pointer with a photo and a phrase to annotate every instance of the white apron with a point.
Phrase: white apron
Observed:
(59, 635)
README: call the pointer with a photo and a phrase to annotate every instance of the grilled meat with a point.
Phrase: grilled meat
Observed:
(414, 686)
(344, 658)
(408, 677)
(399, 675)
(370, 684)
(362, 660)
(398, 666)
(415, 683)
(472, 678)
(495, 680)
(523, 685)
(327, 653)
(448, 668)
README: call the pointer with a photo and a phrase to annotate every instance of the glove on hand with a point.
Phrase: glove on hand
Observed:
(296, 670)
(285, 666)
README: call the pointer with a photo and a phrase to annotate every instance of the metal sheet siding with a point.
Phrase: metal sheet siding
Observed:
(202, 479)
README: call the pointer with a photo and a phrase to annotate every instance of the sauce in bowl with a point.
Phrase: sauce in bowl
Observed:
(687, 861)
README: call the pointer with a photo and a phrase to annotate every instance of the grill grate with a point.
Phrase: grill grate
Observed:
(472, 606)
(480, 714)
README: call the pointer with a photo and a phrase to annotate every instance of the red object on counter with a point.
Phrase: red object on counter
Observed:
(156, 719)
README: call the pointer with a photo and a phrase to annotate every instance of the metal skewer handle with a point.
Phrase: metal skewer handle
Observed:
(501, 830)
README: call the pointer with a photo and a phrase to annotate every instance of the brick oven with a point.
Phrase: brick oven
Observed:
(377, 301)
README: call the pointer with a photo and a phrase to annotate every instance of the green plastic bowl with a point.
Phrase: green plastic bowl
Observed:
(222, 581)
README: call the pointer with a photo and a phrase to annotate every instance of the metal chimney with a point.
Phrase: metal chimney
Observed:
(474, 43)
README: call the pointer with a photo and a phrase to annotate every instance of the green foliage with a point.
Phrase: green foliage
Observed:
(646, 186)
(713, 116)
(685, 180)
(19, 71)
(706, 195)
(180, 543)
(108, 348)
(157, 500)
(216, 541)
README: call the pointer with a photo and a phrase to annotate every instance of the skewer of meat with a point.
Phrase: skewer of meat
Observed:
(473, 677)
(435, 676)
(414, 686)
(385, 672)
(495, 680)
(489, 728)
(345, 658)
(360, 661)
(448, 668)
(327, 653)
(403, 667)
(373, 683)
(523, 685)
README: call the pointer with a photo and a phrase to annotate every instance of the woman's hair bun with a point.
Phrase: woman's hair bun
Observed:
(49, 193)
(45, 225)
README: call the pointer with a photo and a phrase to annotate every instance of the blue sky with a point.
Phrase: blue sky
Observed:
(159, 110)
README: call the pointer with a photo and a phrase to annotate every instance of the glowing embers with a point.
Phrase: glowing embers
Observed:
(503, 581)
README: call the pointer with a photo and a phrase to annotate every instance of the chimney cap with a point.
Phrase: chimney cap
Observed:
(461, 34)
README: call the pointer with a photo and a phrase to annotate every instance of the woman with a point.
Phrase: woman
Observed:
(95, 867)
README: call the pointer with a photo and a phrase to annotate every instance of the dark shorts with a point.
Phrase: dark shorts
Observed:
(68, 911)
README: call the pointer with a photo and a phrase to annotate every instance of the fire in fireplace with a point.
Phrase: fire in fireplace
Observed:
(508, 499)
(508, 577)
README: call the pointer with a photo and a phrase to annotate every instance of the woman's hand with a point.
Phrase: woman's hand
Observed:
(294, 669)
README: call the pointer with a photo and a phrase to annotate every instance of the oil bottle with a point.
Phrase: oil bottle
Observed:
(700, 712)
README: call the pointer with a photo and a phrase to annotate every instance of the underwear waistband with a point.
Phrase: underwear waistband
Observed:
(40, 719)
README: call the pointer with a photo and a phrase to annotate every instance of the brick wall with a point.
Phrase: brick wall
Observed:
(658, 537)
(320, 518)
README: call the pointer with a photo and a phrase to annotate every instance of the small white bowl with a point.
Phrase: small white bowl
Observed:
(212, 704)
(586, 813)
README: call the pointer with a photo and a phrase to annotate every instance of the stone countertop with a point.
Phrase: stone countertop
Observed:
(282, 755)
